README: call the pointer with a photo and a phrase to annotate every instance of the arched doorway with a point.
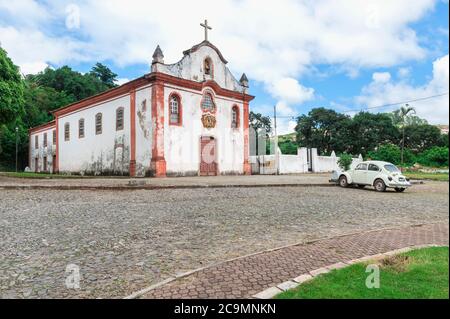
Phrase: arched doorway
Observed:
(208, 162)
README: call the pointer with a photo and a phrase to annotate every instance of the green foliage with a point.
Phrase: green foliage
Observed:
(443, 140)
(288, 147)
(369, 130)
(434, 157)
(323, 129)
(391, 153)
(420, 274)
(345, 161)
(74, 84)
(32, 100)
(260, 123)
(11, 90)
(421, 137)
(104, 74)
(398, 120)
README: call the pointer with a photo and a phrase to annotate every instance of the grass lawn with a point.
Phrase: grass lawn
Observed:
(430, 176)
(38, 175)
(421, 273)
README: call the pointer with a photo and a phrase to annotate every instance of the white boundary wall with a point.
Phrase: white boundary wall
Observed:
(296, 164)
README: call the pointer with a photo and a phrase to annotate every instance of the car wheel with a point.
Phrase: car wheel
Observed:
(380, 186)
(361, 186)
(343, 181)
(400, 190)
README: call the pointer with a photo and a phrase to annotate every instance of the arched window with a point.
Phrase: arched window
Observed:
(81, 128)
(119, 119)
(66, 131)
(98, 123)
(208, 104)
(208, 67)
(235, 117)
(175, 109)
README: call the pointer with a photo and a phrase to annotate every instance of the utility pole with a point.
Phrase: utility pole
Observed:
(277, 159)
(17, 146)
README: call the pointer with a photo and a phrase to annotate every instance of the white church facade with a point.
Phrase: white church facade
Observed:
(184, 119)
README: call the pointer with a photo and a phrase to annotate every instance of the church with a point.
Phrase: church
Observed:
(189, 118)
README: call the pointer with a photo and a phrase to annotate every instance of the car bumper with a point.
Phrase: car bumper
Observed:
(399, 185)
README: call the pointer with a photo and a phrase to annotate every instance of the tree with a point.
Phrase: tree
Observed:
(397, 120)
(345, 161)
(323, 129)
(404, 111)
(11, 89)
(391, 153)
(261, 125)
(418, 138)
(104, 74)
(434, 157)
(370, 130)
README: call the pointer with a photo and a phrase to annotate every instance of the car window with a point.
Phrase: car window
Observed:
(373, 167)
(361, 167)
(391, 168)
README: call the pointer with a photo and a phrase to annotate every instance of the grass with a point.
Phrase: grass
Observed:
(427, 176)
(421, 273)
(51, 176)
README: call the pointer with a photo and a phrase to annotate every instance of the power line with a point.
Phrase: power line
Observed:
(380, 106)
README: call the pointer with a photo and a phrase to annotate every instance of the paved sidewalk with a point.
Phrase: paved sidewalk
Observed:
(161, 183)
(244, 277)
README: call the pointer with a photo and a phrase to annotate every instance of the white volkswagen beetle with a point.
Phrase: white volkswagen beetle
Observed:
(375, 173)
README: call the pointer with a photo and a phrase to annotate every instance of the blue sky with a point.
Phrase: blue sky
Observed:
(345, 55)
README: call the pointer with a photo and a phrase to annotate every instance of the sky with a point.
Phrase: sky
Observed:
(347, 55)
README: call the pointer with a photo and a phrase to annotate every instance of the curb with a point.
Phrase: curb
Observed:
(152, 187)
(271, 292)
(188, 273)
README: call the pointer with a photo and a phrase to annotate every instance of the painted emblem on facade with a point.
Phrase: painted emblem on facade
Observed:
(209, 121)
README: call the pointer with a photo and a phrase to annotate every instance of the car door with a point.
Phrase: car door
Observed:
(372, 172)
(359, 175)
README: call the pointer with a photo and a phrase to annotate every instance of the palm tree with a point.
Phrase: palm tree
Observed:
(404, 111)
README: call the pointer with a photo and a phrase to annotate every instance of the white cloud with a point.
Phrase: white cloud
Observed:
(290, 91)
(266, 39)
(381, 77)
(435, 110)
(275, 43)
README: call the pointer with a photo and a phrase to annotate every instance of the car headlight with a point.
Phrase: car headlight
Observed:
(390, 179)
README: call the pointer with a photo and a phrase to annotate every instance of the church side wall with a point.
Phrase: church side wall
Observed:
(143, 130)
(42, 153)
(107, 153)
(182, 143)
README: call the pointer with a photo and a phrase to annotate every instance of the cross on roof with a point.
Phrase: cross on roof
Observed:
(207, 27)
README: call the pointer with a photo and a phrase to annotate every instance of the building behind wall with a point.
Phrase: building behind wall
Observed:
(187, 118)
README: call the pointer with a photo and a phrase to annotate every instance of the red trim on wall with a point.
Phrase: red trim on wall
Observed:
(133, 133)
(158, 162)
(110, 94)
(247, 167)
(42, 127)
(180, 109)
(199, 86)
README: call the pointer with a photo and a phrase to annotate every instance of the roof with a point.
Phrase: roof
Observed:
(208, 44)
(376, 162)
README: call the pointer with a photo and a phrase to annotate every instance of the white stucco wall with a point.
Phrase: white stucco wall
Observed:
(107, 153)
(182, 143)
(41, 152)
(143, 130)
(191, 68)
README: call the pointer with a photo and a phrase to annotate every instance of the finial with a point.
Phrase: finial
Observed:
(244, 80)
(158, 56)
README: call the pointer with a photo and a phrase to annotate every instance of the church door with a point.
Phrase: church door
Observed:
(208, 165)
